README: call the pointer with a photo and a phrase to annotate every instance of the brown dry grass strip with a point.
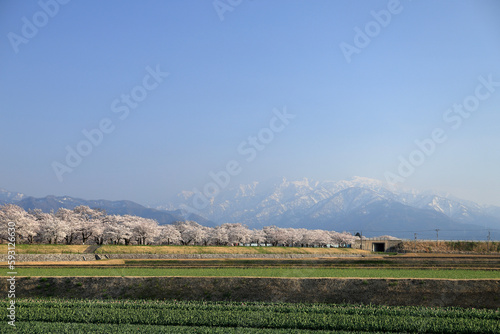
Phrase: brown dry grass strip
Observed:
(68, 263)
(119, 249)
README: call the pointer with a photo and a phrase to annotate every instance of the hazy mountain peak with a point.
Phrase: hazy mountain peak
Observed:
(338, 204)
(9, 196)
(365, 180)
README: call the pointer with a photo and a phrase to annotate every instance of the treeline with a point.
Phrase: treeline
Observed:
(84, 225)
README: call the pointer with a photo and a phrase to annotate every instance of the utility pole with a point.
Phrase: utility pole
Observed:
(489, 238)
(415, 244)
(437, 236)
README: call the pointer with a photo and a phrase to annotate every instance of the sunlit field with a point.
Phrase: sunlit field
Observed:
(124, 316)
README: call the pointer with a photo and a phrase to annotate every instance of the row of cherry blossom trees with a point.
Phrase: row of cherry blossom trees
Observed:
(84, 225)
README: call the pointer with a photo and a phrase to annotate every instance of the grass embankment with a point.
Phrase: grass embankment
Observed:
(407, 246)
(451, 247)
(263, 272)
(114, 316)
(121, 249)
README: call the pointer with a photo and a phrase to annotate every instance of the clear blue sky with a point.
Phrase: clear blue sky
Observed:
(226, 77)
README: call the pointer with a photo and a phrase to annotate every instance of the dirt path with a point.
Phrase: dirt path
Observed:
(91, 249)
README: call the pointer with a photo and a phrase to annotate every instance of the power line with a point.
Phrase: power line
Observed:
(413, 231)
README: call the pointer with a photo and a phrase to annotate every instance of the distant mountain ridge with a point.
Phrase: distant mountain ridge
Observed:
(351, 205)
(53, 203)
(356, 205)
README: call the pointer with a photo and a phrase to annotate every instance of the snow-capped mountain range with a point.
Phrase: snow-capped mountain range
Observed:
(363, 205)
(358, 204)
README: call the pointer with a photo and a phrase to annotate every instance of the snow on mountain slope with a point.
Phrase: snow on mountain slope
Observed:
(345, 201)
(10, 197)
(292, 203)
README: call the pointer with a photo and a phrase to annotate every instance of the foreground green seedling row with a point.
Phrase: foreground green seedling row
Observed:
(113, 316)
(265, 272)
(71, 328)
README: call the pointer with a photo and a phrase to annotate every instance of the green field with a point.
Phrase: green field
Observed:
(170, 316)
(264, 272)
(333, 263)
(113, 316)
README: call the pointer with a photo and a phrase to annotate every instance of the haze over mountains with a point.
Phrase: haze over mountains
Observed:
(53, 203)
(9, 197)
(356, 205)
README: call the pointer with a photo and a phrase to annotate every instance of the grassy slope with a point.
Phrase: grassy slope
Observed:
(443, 247)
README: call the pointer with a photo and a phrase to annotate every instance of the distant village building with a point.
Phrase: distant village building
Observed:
(377, 244)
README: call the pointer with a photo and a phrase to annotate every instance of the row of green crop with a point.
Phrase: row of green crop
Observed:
(265, 272)
(260, 315)
(318, 308)
(72, 328)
